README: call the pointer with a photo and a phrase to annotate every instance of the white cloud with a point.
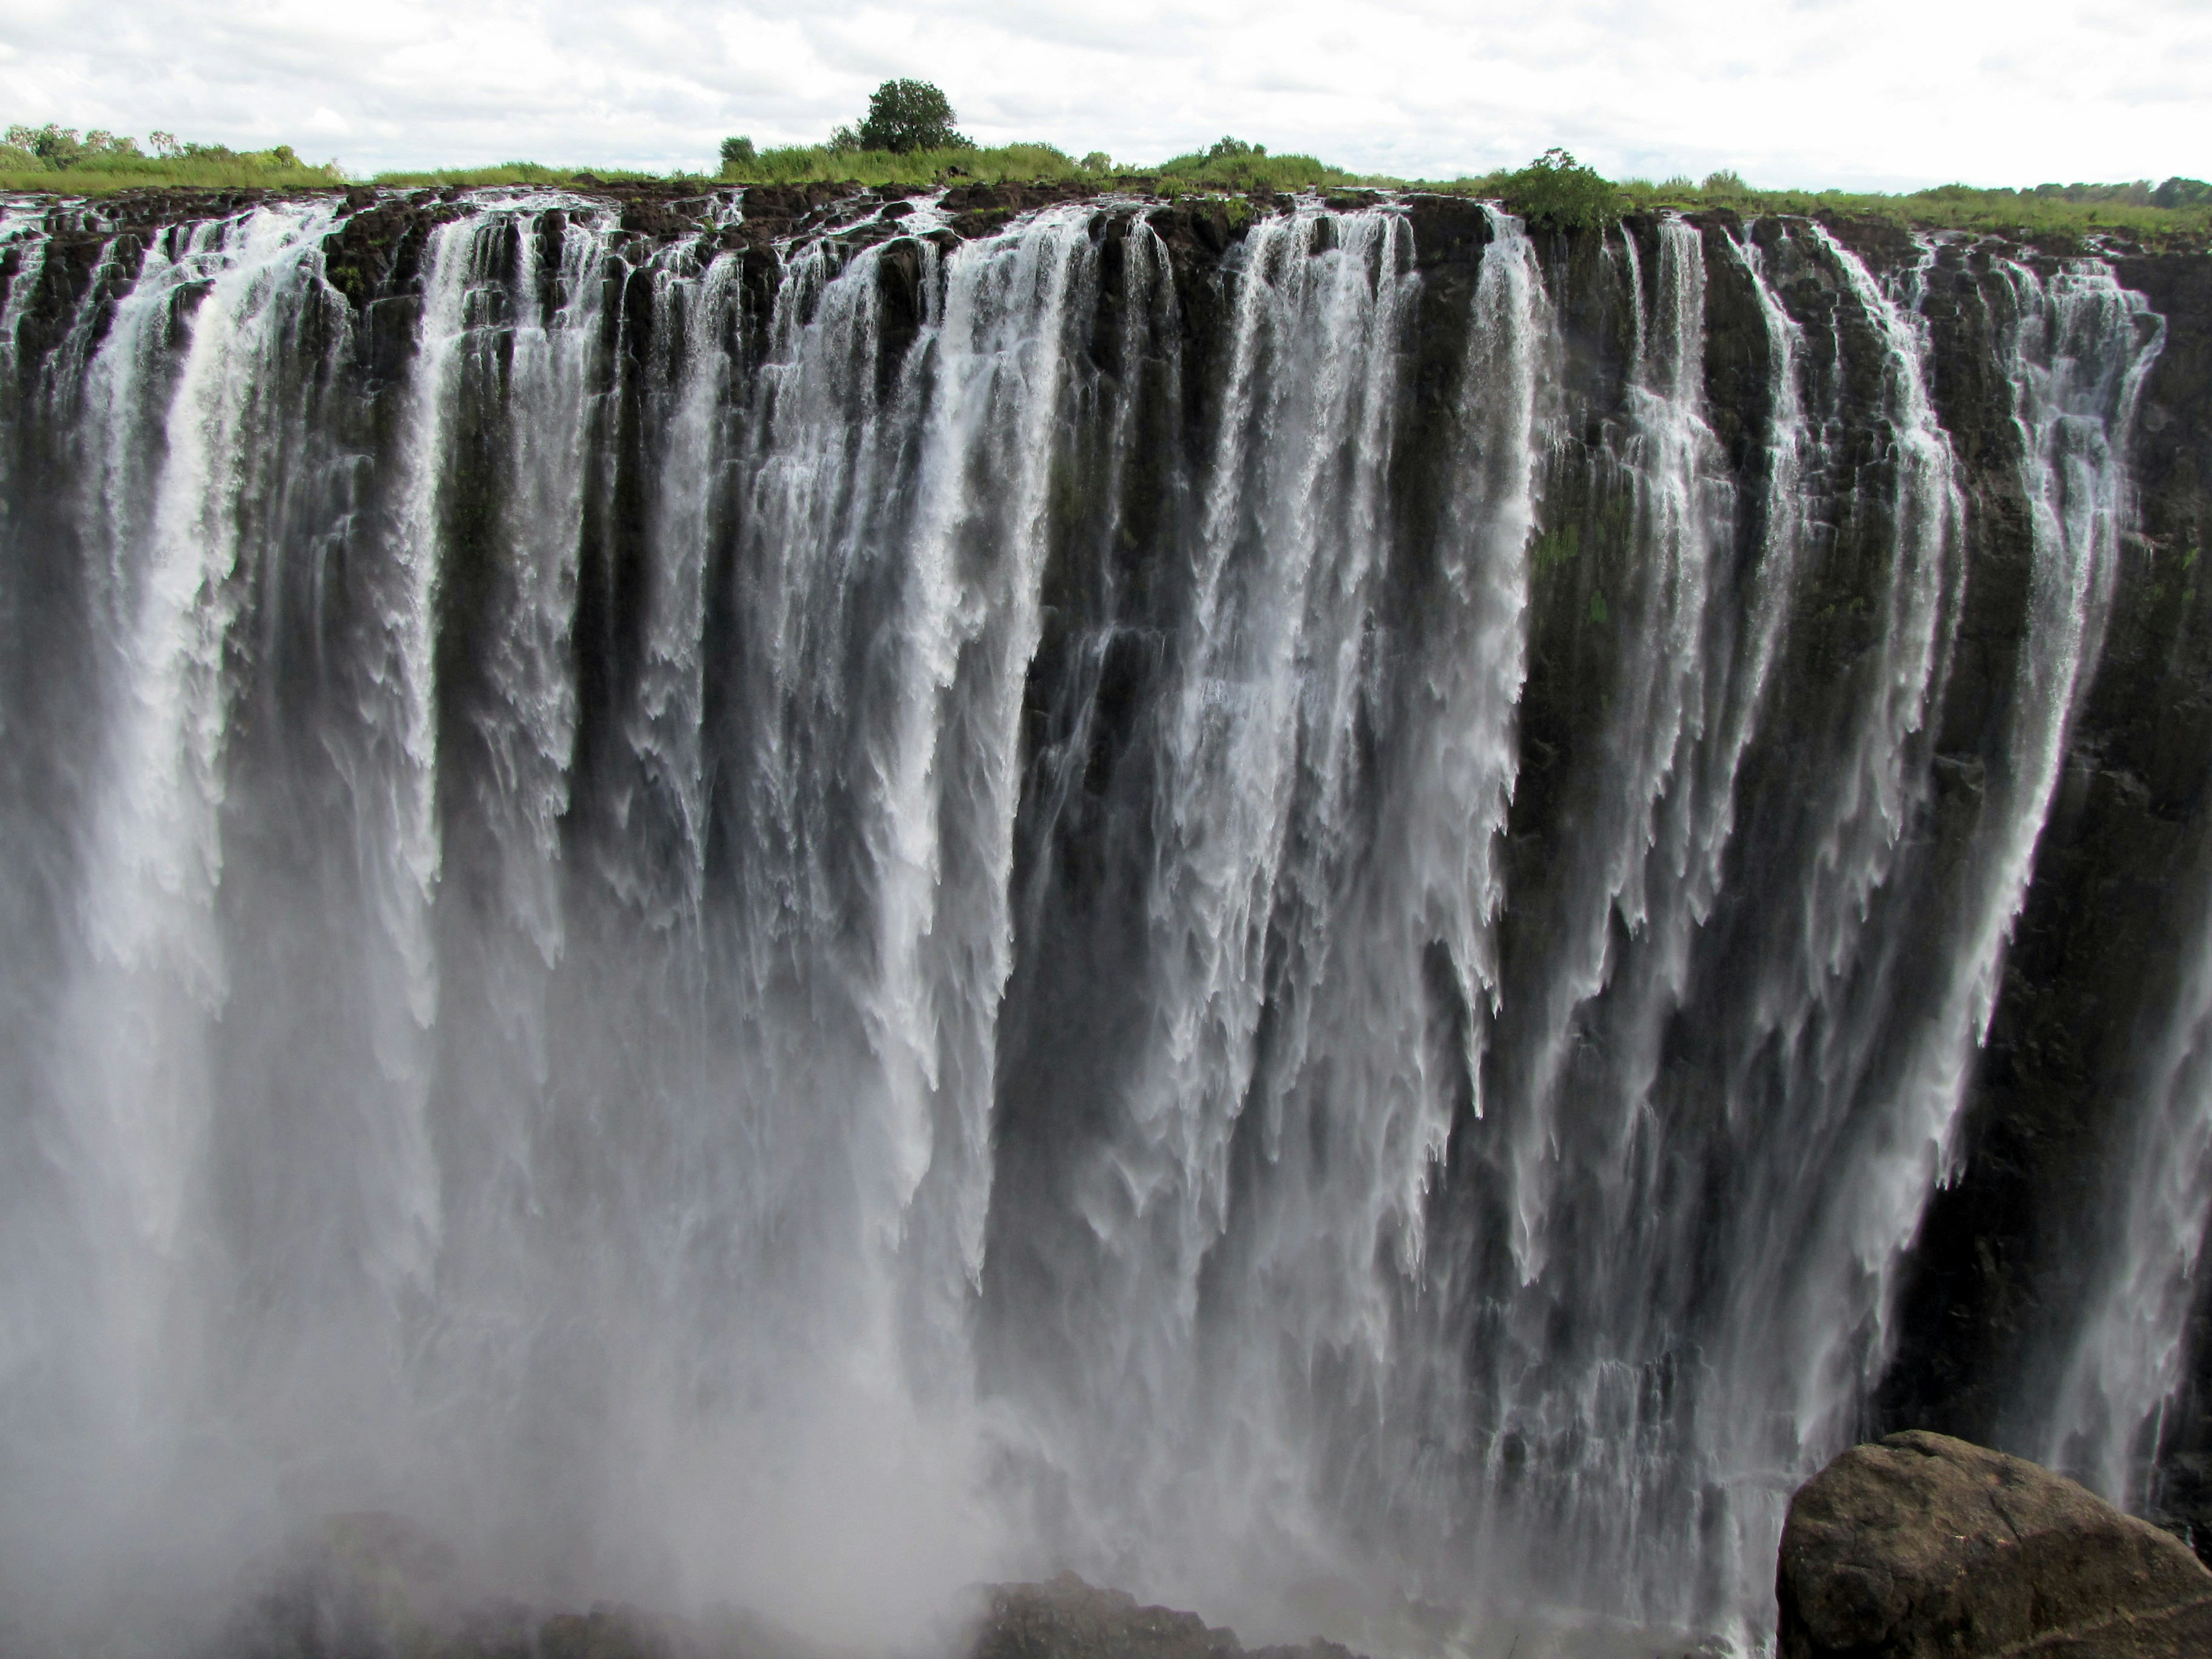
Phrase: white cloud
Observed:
(1843, 92)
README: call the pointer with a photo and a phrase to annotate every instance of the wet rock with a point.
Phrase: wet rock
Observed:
(1069, 1619)
(1920, 1545)
(369, 1584)
(376, 1586)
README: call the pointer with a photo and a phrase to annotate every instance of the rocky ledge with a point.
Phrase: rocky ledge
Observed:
(374, 1586)
(1920, 1545)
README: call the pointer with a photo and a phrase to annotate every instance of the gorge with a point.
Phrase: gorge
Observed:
(1311, 903)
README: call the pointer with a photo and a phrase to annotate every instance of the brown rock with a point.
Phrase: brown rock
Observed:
(1920, 1545)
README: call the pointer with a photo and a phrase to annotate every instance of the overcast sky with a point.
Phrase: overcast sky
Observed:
(1879, 93)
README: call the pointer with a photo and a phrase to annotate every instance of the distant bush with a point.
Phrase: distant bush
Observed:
(2172, 216)
(1557, 192)
(60, 149)
(530, 172)
(1232, 164)
(1238, 167)
(906, 116)
(55, 157)
(2138, 193)
(799, 164)
(1553, 191)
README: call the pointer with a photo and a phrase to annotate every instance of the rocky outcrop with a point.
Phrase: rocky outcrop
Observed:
(376, 1586)
(1068, 1618)
(1920, 1545)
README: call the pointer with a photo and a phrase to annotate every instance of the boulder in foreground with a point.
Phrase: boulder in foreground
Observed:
(1921, 1546)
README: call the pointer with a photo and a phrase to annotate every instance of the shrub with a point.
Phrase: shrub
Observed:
(1231, 164)
(1557, 192)
(737, 153)
(1725, 181)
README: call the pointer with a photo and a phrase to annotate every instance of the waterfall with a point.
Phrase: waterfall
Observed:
(797, 904)
(2080, 349)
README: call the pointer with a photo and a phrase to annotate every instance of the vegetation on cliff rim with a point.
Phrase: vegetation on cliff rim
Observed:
(57, 158)
(909, 137)
(2176, 215)
(903, 117)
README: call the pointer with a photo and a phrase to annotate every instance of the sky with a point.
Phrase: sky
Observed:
(1849, 94)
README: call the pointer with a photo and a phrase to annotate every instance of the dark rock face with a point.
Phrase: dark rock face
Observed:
(1921, 1545)
(2094, 955)
(1068, 1618)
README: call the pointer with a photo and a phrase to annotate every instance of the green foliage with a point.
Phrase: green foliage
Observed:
(1230, 164)
(2137, 193)
(1240, 168)
(1553, 191)
(531, 173)
(1557, 192)
(59, 147)
(907, 116)
(57, 158)
(1556, 547)
(801, 164)
(2048, 213)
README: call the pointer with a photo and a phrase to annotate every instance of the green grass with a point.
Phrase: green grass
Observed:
(807, 164)
(1251, 172)
(800, 164)
(1551, 191)
(1566, 195)
(2023, 214)
(98, 176)
(530, 172)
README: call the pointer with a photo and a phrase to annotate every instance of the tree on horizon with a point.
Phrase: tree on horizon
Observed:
(904, 116)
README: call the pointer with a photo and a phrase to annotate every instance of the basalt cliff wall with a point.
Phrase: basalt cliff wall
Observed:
(1402, 833)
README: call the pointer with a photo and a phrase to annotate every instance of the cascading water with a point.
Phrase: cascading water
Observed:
(802, 914)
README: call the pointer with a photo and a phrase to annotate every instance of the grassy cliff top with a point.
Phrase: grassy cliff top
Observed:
(58, 160)
(1555, 189)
